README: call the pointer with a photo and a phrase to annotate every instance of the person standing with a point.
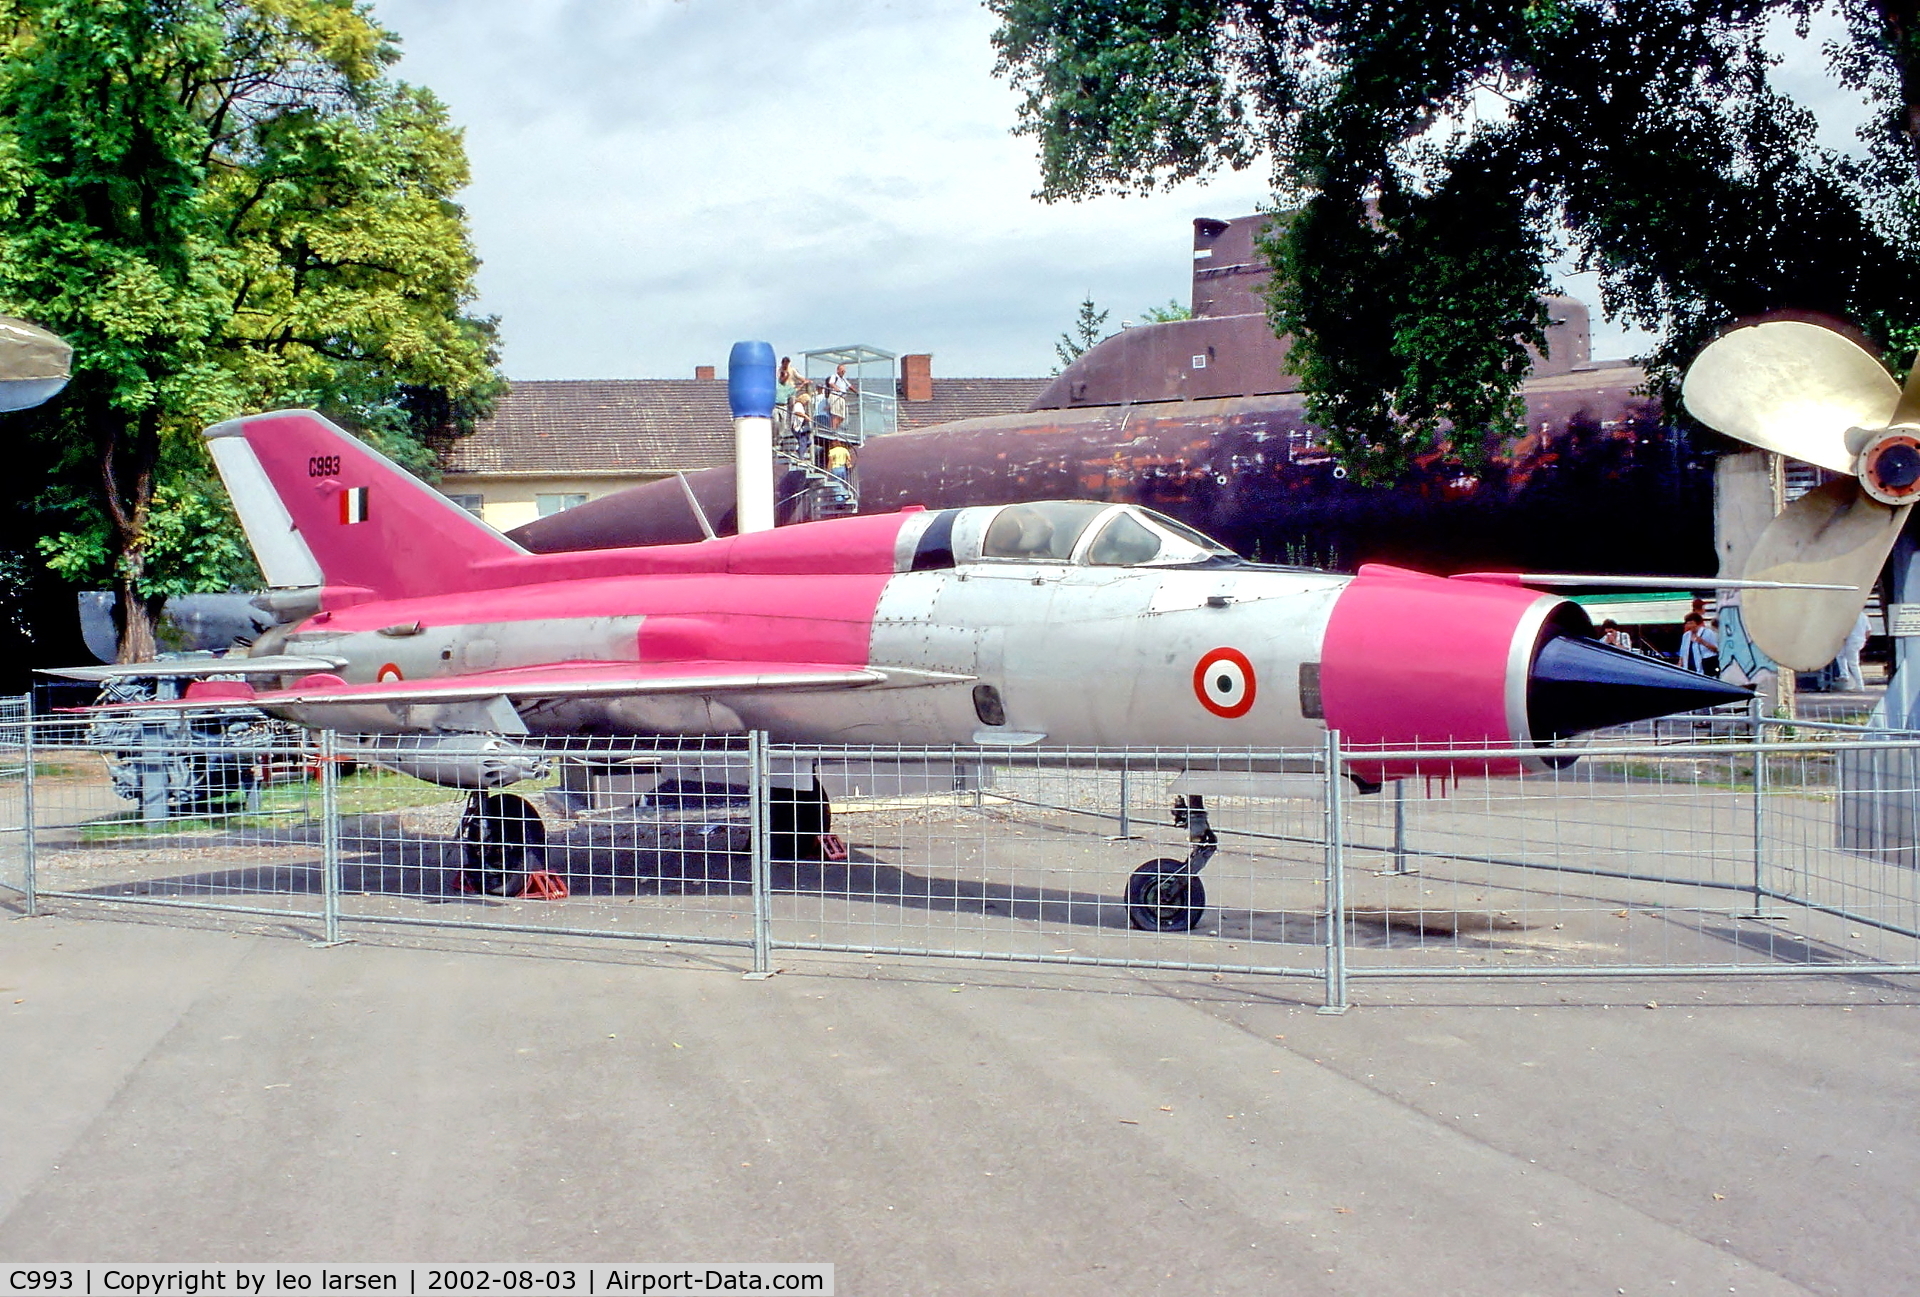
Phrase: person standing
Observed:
(1610, 633)
(802, 420)
(1851, 678)
(839, 387)
(784, 387)
(1699, 646)
(840, 464)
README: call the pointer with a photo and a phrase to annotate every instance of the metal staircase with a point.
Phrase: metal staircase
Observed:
(823, 494)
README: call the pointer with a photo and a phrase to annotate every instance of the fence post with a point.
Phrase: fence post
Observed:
(1336, 997)
(1759, 810)
(329, 838)
(760, 861)
(1126, 815)
(1399, 827)
(28, 881)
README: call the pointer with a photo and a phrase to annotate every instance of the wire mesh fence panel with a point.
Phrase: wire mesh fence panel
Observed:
(1845, 822)
(1144, 858)
(637, 839)
(1688, 849)
(175, 811)
(14, 755)
(1722, 856)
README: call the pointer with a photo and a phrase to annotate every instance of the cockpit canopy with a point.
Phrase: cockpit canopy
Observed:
(1091, 534)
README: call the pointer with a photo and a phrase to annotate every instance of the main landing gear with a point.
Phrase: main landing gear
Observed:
(799, 823)
(1166, 895)
(502, 840)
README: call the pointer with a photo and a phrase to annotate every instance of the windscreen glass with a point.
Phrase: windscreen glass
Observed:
(1043, 532)
(1123, 543)
(1187, 533)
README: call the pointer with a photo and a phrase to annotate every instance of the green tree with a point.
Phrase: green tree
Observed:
(1167, 314)
(1087, 330)
(225, 206)
(1434, 159)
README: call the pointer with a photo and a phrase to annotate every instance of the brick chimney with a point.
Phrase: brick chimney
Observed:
(916, 377)
(703, 371)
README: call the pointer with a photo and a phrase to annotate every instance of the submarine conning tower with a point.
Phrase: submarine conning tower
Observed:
(1228, 348)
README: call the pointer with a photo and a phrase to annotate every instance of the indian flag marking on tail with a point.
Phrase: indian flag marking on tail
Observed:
(353, 504)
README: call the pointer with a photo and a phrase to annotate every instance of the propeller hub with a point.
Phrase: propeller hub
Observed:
(1890, 466)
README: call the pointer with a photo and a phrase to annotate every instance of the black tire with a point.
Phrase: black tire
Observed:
(796, 817)
(502, 840)
(1163, 897)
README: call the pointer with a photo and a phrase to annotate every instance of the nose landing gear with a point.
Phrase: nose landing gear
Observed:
(1166, 895)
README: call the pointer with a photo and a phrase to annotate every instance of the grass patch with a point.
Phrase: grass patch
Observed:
(11, 769)
(1813, 779)
(367, 791)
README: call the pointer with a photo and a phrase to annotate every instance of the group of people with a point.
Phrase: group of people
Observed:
(808, 417)
(1700, 645)
(1699, 640)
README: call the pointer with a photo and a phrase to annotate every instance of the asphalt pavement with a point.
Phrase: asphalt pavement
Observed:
(182, 1092)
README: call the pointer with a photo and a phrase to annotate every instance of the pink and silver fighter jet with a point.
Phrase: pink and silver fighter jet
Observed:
(1058, 623)
(1065, 623)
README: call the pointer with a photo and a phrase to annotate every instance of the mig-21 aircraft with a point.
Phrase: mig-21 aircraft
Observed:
(1057, 623)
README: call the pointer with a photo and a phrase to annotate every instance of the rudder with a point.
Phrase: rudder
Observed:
(322, 508)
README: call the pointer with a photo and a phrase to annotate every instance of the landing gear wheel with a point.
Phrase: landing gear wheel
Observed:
(1163, 897)
(502, 840)
(796, 818)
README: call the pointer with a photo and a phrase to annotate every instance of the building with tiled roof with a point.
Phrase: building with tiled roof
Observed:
(953, 399)
(555, 443)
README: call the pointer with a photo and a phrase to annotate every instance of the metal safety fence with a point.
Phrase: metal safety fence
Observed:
(1735, 846)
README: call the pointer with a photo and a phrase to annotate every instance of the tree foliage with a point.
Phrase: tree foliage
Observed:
(1088, 328)
(1167, 314)
(226, 206)
(1435, 158)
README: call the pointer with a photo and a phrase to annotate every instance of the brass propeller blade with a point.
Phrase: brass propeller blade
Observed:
(1908, 411)
(34, 364)
(1834, 533)
(1791, 387)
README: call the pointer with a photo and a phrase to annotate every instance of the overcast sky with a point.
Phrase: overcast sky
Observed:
(656, 179)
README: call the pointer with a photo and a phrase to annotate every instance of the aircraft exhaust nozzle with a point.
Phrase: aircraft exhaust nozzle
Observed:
(1497, 664)
(1577, 684)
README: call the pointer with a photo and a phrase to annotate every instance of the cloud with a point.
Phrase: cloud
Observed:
(655, 179)
(652, 181)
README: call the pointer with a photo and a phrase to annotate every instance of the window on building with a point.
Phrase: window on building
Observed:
(471, 503)
(555, 503)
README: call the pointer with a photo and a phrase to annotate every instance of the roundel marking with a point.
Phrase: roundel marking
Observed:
(1224, 683)
(389, 671)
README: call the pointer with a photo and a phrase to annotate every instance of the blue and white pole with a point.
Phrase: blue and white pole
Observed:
(750, 394)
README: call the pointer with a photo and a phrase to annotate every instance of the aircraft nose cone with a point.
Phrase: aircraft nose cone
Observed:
(1578, 684)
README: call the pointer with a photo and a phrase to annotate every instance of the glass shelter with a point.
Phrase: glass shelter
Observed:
(872, 406)
(853, 397)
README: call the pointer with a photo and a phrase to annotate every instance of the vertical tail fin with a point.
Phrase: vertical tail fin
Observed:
(321, 508)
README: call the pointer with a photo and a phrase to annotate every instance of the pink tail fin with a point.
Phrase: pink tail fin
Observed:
(322, 508)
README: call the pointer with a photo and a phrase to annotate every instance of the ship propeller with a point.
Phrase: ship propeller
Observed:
(1811, 393)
